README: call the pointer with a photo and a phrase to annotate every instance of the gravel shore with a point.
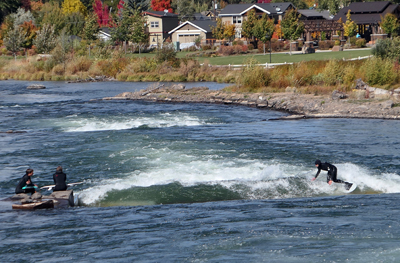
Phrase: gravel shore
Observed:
(337, 105)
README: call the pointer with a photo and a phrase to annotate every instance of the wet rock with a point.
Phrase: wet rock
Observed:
(36, 86)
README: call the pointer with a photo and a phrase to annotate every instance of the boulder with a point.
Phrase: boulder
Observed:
(36, 86)
(337, 95)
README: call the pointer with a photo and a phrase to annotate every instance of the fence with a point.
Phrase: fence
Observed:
(271, 65)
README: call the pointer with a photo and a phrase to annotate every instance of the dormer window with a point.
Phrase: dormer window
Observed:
(237, 20)
(154, 24)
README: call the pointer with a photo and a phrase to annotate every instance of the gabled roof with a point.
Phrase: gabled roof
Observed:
(204, 26)
(159, 14)
(241, 9)
(366, 12)
(312, 13)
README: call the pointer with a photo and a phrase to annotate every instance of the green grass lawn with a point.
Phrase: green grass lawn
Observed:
(275, 57)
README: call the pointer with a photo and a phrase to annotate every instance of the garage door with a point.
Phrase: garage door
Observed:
(187, 38)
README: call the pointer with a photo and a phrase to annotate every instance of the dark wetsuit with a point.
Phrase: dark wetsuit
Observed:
(22, 183)
(59, 180)
(332, 172)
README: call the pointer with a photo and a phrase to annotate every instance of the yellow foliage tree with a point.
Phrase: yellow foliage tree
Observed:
(73, 6)
(350, 27)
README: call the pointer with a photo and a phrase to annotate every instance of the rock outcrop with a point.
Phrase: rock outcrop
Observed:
(337, 105)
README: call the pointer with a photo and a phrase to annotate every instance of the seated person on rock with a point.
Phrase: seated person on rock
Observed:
(26, 185)
(59, 180)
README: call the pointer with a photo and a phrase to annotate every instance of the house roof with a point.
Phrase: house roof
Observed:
(312, 13)
(160, 14)
(366, 12)
(204, 25)
(240, 9)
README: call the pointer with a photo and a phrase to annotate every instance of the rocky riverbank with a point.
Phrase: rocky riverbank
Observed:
(364, 102)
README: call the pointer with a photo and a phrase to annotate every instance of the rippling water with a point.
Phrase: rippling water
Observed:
(193, 182)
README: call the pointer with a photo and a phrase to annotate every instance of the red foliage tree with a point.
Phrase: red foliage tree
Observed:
(103, 16)
(161, 5)
(263, 1)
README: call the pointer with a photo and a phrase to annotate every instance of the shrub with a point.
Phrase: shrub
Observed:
(166, 53)
(361, 42)
(250, 47)
(333, 72)
(323, 45)
(226, 50)
(379, 71)
(205, 47)
(253, 76)
(58, 69)
(353, 41)
(237, 49)
(337, 42)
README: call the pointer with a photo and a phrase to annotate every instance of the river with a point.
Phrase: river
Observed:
(166, 182)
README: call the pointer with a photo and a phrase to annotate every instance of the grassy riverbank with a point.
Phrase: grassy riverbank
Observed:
(324, 72)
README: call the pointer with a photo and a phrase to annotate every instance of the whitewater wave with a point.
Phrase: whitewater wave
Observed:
(79, 124)
(214, 180)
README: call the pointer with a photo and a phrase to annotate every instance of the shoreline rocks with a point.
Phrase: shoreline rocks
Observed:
(302, 106)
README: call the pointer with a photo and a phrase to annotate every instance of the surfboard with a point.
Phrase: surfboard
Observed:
(352, 187)
(49, 187)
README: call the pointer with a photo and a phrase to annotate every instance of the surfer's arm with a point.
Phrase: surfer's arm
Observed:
(315, 177)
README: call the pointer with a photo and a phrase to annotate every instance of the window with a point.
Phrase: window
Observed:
(237, 19)
(154, 24)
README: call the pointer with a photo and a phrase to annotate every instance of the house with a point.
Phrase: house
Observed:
(313, 14)
(159, 24)
(104, 34)
(368, 15)
(204, 15)
(187, 32)
(236, 13)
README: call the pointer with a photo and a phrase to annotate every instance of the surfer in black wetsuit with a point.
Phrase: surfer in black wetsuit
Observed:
(26, 185)
(59, 180)
(332, 173)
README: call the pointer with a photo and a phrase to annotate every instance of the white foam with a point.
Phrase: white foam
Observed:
(268, 179)
(78, 124)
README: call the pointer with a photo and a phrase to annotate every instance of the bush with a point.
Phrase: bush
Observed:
(379, 71)
(337, 42)
(333, 72)
(253, 76)
(205, 47)
(361, 43)
(225, 50)
(166, 53)
(323, 45)
(387, 48)
(250, 46)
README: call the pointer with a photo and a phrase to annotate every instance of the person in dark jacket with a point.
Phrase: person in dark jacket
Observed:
(26, 185)
(332, 173)
(59, 180)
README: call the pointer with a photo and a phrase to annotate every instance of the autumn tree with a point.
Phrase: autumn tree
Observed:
(390, 24)
(161, 5)
(102, 13)
(229, 32)
(73, 6)
(29, 31)
(291, 26)
(350, 27)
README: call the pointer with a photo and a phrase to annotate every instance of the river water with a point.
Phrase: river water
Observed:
(167, 182)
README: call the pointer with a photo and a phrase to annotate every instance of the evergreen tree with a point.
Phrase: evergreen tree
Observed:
(218, 30)
(138, 29)
(122, 31)
(291, 26)
(8, 7)
(184, 8)
(51, 14)
(74, 23)
(249, 24)
(46, 39)
(91, 28)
